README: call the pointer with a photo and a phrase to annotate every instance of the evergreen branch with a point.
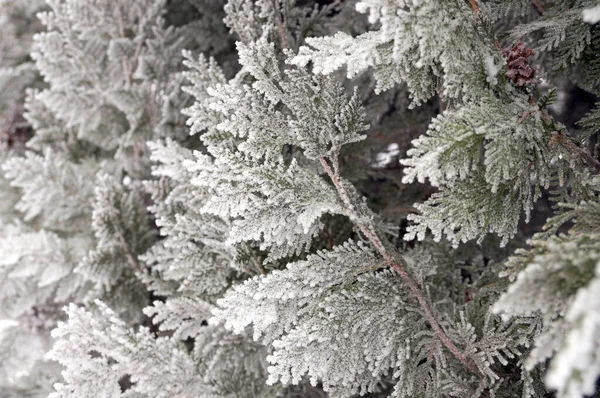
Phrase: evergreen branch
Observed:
(431, 350)
(133, 261)
(399, 267)
(254, 260)
(575, 150)
(561, 138)
(564, 140)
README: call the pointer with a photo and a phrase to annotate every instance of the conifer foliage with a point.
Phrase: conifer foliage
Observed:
(286, 198)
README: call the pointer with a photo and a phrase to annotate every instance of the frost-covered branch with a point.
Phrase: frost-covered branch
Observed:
(398, 266)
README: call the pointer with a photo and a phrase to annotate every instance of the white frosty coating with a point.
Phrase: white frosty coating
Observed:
(119, 61)
(492, 69)
(449, 156)
(270, 185)
(592, 15)
(304, 310)
(20, 350)
(576, 367)
(384, 158)
(418, 43)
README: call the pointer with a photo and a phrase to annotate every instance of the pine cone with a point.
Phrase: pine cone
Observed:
(517, 68)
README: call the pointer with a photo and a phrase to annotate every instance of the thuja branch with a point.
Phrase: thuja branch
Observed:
(254, 260)
(565, 141)
(523, 74)
(399, 265)
(131, 257)
(576, 150)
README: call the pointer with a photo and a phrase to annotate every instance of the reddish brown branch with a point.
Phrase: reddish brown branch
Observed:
(281, 28)
(474, 6)
(399, 267)
(538, 6)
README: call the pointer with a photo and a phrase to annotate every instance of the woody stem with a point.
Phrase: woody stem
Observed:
(398, 265)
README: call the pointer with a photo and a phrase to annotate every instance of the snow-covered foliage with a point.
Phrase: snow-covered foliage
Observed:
(76, 214)
(185, 217)
(558, 280)
(17, 27)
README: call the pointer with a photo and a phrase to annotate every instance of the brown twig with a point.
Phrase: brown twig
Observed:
(281, 28)
(397, 265)
(523, 117)
(574, 149)
(400, 209)
(474, 6)
(538, 6)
